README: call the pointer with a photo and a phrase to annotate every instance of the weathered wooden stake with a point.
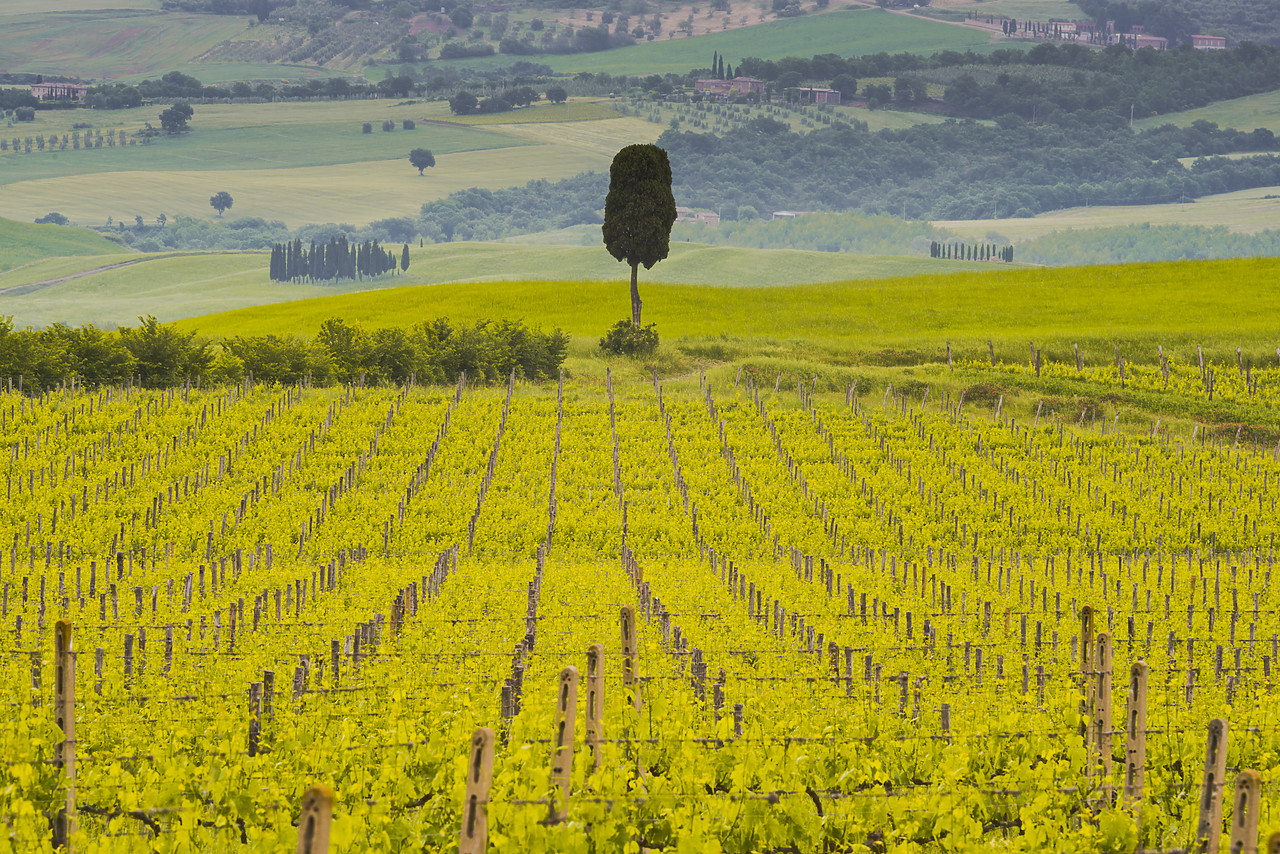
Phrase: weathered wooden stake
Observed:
(1244, 818)
(1102, 709)
(1086, 671)
(1135, 751)
(475, 811)
(562, 752)
(1209, 826)
(630, 664)
(313, 823)
(64, 716)
(595, 702)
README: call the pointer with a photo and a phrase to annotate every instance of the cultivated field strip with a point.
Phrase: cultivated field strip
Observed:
(859, 621)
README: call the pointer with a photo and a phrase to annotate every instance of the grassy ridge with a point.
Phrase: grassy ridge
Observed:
(1138, 306)
(1252, 111)
(112, 43)
(278, 160)
(24, 243)
(250, 136)
(184, 286)
(356, 193)
(1246, 211)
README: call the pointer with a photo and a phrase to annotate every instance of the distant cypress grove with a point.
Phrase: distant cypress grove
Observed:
(976, 252)
(337, 259)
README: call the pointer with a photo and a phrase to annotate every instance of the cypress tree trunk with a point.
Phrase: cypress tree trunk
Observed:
(635, 295)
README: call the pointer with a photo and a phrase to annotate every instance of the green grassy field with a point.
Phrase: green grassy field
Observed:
(897, 321)
(245, 137)
(24, 243)
(1037, 10)
(210, 72)
(111, 43)
(185, 286)
(1246, 211)
(356, 193)
(1253, 111)
(844, 32)
(18, 8)
(303, 163)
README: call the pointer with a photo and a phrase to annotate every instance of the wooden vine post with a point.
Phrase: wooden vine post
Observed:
(595, 702)
(1244, 818)
(630, 665)
(1209, 826)
(562, 752)
(1086, 670)
(1135, 747)
(1102, 711)
(475, 811)
(313, 823)
(64, 716)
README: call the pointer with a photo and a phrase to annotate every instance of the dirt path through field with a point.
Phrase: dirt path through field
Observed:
(31, 287)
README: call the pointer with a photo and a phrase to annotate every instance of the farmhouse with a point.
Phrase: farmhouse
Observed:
(1142, 40)
(1209, 42)
(814, 95)
(690, 215)
(59, 92)
(728, 88)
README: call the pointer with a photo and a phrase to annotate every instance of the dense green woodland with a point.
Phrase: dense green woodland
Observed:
(1238, 20)
(161, 356)
(1051, 78)
(886, 235)
(953, 170)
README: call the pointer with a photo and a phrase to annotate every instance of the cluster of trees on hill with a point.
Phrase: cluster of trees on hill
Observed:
(822, 232)
(1239, 20)
(1117, 79)
(337, 259)
(1112, 79)
(160, 355)
(952, 250)
(540, 205)
(1134, 243)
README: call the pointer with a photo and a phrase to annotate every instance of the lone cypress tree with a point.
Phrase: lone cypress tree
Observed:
(639, 211)
(404, 258)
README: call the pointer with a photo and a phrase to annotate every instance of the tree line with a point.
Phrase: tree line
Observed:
(952, 251)
(160, 355)
(952, 170)
(1114, 78)
(337, 259)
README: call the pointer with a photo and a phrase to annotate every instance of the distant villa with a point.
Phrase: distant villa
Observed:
(60, 92)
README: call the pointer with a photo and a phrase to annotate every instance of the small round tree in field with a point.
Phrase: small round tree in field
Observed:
(639, 211)
(422, 158)
(221, 201)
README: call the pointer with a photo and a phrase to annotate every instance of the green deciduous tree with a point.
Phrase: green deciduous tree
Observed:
(174, 119)
(639, 211)
(463, 103)
(164, 356)
(422, 158)
(347, 347)
(221, 201)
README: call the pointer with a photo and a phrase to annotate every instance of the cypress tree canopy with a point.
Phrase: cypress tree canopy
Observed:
(639, 211)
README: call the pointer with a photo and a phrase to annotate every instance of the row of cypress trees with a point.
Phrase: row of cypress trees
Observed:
(975, 252)
(337, 259)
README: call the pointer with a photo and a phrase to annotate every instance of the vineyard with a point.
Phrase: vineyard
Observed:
(827, 621)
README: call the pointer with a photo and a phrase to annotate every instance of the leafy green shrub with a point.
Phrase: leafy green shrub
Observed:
(626, 339)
